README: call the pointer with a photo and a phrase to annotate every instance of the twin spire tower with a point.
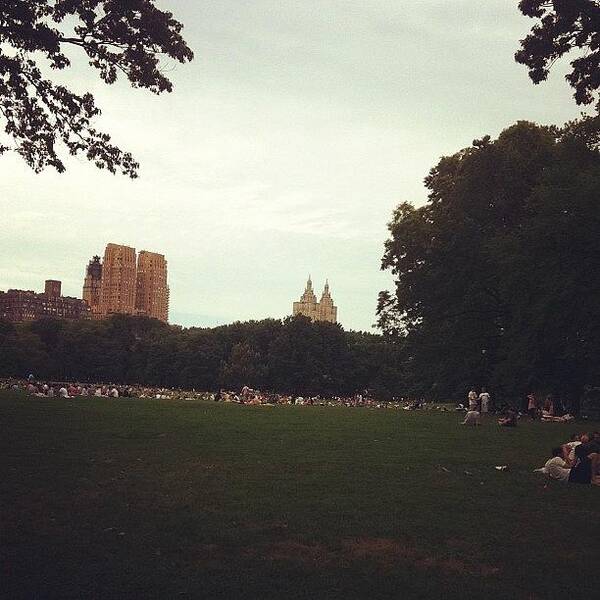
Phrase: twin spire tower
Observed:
(308, 306)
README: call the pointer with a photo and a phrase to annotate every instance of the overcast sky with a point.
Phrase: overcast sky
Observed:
(282, 151)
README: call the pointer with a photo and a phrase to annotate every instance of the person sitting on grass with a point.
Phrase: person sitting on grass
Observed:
(472, 418)
(559, 466)
(509, 419)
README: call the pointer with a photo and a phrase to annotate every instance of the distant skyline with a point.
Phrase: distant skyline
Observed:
(282, 151)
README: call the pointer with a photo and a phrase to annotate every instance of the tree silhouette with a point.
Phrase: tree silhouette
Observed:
(563, 26)
(119, 38)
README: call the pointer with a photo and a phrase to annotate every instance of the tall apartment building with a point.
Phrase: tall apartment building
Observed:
(18, 306)
(92, 286)
(308, 306)
(152, 291)
(118, 284)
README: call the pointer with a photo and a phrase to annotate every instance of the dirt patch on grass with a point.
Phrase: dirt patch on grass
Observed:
(389, 553)
(292, 551)
(363, 548)
(384, 554)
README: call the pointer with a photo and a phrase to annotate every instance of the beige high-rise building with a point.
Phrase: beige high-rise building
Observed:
(119, 285)
(152, 291)
(308, 306)
(117, 290)
(92, 286)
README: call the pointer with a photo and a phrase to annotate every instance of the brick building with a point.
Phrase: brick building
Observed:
(18, 306)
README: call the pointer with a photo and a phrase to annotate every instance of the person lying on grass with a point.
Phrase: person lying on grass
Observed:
(509, 419)
(548, 417)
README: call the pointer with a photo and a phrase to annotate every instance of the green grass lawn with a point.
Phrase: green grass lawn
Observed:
(162, 499)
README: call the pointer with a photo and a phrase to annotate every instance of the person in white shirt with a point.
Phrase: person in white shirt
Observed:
(484, 400)
(472, 398)
(571, 445)
(558, 467)
(63, 392)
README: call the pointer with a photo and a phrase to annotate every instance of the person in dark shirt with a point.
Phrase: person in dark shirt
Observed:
(595, 444)
(587, 458)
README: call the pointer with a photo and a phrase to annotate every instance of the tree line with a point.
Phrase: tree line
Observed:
(497, 285)
(294, 356)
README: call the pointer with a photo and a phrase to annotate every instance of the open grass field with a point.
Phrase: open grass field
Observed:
(162, 499)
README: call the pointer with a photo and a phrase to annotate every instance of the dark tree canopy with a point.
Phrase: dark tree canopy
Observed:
(564, 25)
(118, 38)
(495, 276)
(295, 356)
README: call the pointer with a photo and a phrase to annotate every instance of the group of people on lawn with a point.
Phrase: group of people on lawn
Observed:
(245, 396)
(71, 390)
(480, 404)
(576, 461)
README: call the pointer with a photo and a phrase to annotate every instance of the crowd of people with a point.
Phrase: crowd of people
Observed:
(476, 407)
(246, 395)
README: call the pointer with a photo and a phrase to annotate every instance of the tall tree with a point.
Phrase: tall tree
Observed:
(118, 38)
(563, 26)
(494, 281)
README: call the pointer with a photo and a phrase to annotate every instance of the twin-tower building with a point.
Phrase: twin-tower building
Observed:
(323, 310)
(125, 284)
